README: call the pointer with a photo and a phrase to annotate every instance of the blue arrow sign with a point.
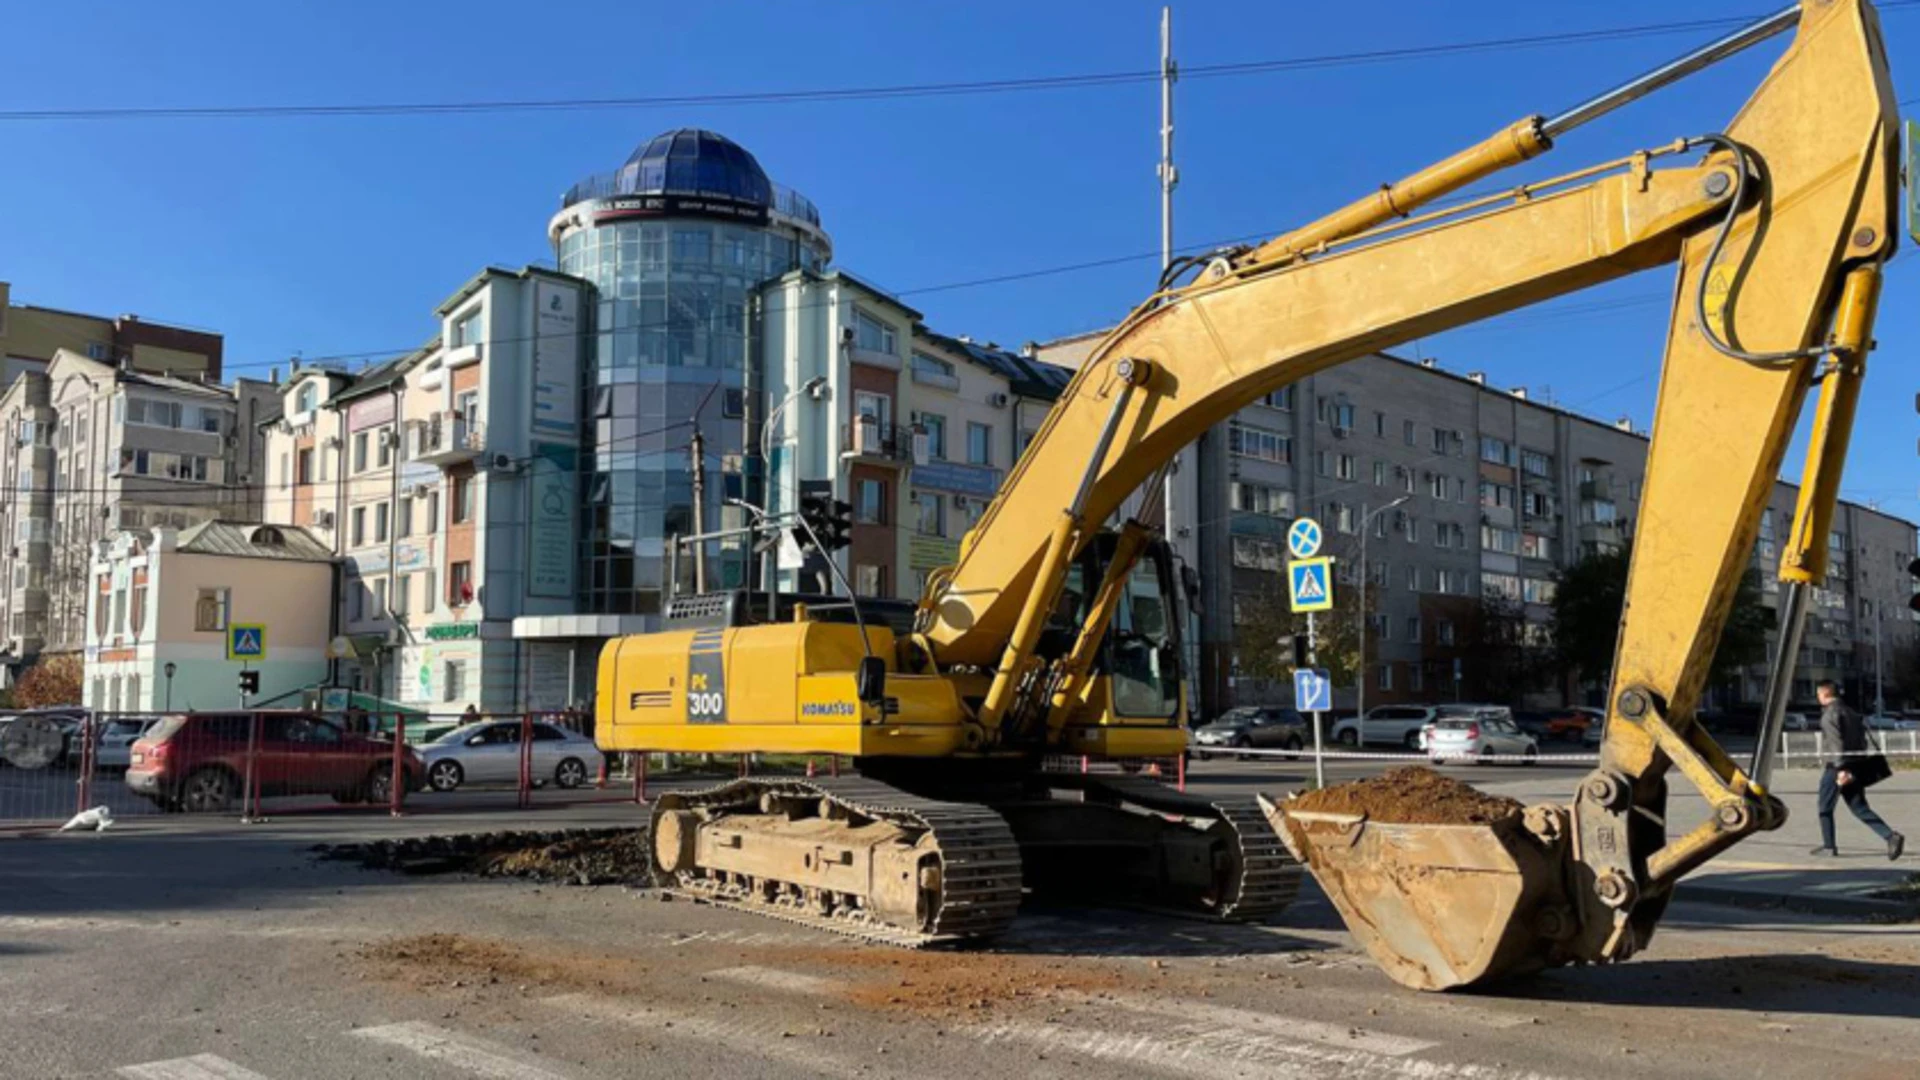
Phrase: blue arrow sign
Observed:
(1312, 690)
(1303, 539)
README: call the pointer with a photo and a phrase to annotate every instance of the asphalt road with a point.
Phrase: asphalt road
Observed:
(191, 949)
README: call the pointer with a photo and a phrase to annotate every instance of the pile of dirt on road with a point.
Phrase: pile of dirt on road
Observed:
(939, 982)
(456, 961)
(1409, 796)
(566, 857)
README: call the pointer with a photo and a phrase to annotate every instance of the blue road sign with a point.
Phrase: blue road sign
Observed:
(1303, 539)
(1312, 690)
(247, 641)
(1310, 585)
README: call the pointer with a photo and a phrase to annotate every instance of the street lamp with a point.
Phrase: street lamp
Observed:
(811, 387)
(1360, 693)
(168, 671)
(766, 552)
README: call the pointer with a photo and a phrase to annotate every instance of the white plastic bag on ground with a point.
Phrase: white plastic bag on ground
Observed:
(96, 818)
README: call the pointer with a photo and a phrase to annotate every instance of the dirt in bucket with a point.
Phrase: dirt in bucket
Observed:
(1410, 795)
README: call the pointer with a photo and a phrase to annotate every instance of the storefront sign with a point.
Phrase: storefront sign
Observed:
(454, 631)
(976, 480)
(931, 552)
(412, 556)
(365, 413)
(556, 360)
(551, 515)
(628, 207)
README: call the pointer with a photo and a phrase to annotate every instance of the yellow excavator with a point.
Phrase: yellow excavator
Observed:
(1057, 631)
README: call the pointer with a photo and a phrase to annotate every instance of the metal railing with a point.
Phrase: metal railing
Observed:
(871, 438)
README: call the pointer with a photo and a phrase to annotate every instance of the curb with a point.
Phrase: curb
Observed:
(1845, 907)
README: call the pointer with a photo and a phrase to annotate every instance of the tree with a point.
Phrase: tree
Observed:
(1586, 620)
(1264, 627)
(1505, 657)
(54, 680)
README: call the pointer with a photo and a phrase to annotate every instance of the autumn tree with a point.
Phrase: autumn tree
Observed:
(54, 680)
(1264, 627)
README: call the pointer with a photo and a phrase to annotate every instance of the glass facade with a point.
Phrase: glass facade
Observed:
(672, 343)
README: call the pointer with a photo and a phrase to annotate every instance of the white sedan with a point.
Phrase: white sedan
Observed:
(489, 752)
(1475, 738)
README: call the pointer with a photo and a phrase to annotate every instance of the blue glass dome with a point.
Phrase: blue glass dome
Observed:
(689, 161)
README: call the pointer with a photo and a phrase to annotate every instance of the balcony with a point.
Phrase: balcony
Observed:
(870, 440)
(447, 439)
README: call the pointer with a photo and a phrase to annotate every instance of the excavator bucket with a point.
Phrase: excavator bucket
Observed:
(1441, 906)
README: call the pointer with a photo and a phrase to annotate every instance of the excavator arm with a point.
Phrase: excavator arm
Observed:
(1779, 227)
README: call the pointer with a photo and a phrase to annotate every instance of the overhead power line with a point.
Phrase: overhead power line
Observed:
(818, 95)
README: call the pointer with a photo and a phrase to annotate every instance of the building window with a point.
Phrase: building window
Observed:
(1537, 591)
(1386, 677)
(466, 329)
(383, 439)
(459, 584)
(1407, 432)
(1379, 474)
(1494, 495)
(1504, 541)
(462, 499)
(359, 525)
(1416, 678)
(1410, 528)
(933, 366)
(1500, 586)
(1323, 462)
(402, 594)
(1437, 485)
(1539, 504)
(286, 472)
(1334, 412)
(432, 523)
(1342, 517)
(303, 467)
(1443, 629)
(404, 526)
(306, 398)
(874, 336)
(427, 593)
(1535, 546)
(930, 513)
(137, 617)
(1441, 438)
(1245, 440)
(1261, 499)
(1379, 425)
(1413, 629)
(979, 444)
(1407, 483)
(1497, 451)
(453, 678)
(210, 610)
(935, 427)
(1343, 468)
(1450, 582)
(1535, 463)
(379, 598)
(360, 452)
(380, 523)
(1250, 553)
(873, 408)
(870, 505)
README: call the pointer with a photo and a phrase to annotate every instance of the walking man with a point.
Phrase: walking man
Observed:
(1843, 738)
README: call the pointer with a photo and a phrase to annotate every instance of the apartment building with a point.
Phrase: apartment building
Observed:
(91, 448)
(29, 336)
(448, 483)
(1456, 494)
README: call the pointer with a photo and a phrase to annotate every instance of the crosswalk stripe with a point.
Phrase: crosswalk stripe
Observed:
(1339, 1036)
(476, 1056)
(760, 1037)
(197, 1067)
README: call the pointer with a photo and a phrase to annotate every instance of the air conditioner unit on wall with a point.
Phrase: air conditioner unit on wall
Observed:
(998, 401)
(420, 491)
(323, 519)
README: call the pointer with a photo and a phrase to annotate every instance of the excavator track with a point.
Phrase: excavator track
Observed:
(1268, 876)
(980, 882)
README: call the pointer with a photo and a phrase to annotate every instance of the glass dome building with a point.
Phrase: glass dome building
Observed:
(677, 242)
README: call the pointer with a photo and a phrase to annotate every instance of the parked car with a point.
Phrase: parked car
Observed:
(113, 745)
(1471, 733)
(1385, 725)
(1879, 722)
(489, 752)
(1799, 721)
(1259, 727)
(1571, 723)
(1533, 721)
(198, 761)
(1591, 738)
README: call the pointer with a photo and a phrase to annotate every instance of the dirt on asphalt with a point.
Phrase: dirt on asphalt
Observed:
(942, 982)
(1411, 795)
(458, 961)
(567, 857)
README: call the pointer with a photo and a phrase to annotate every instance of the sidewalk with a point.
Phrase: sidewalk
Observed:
(1775, 869)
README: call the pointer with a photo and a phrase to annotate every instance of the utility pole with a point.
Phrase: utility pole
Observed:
(1169, 177)
(698, 448)
(1879, 681)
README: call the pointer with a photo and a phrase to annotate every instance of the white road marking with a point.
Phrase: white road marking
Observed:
(197, 1067)
(91, 925)
(1339, 1036)
(763, 1038)
(1213, 1053)
(477, 1056)
(791, 982)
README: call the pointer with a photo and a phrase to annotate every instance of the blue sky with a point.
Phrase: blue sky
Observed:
(339, 235)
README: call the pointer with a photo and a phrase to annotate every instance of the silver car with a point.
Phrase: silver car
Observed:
(488, 751)
(1462, 735)
(116, 741)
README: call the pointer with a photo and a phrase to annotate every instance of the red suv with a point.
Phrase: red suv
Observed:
(198, 761)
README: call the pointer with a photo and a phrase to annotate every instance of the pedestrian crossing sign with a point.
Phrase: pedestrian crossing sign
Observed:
(1310, 584)
(247, 641)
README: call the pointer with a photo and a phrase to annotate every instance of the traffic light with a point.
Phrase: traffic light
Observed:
(1300, 660)
(828, 520)
(249, 682)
